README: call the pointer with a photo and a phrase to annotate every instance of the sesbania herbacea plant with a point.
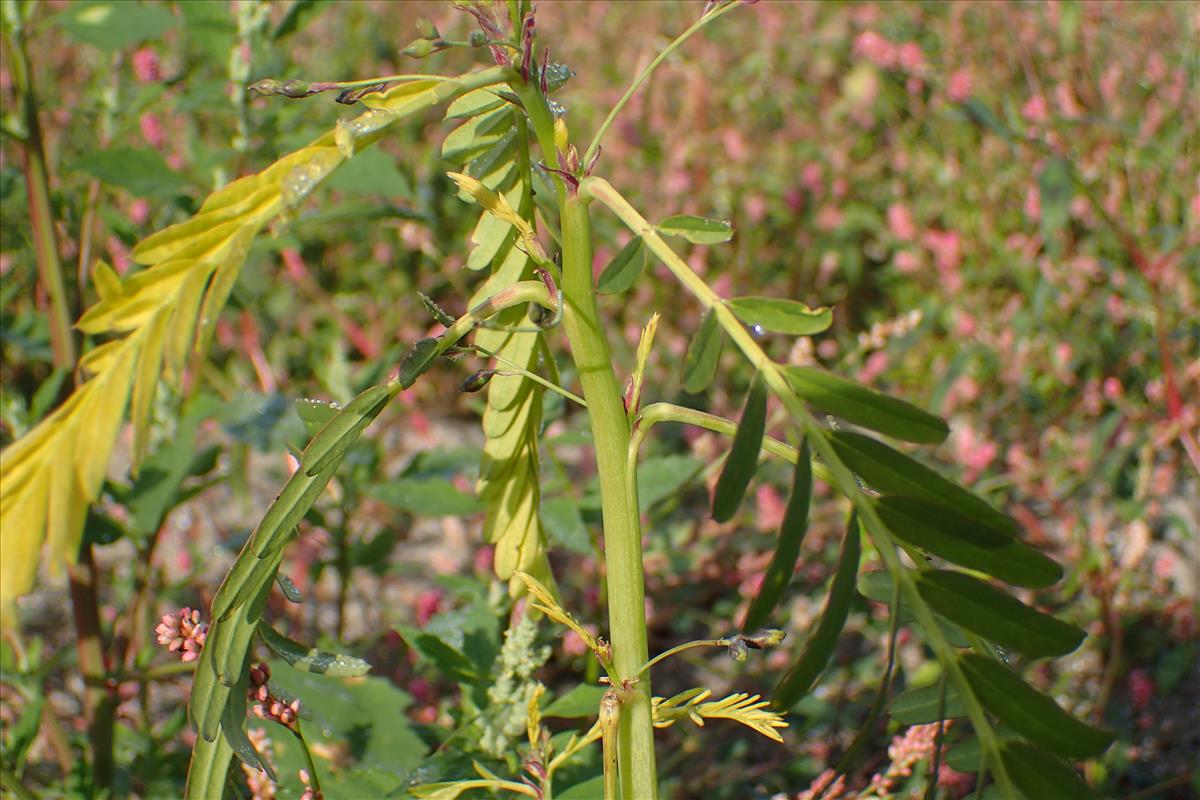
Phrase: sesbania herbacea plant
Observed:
(534, 304)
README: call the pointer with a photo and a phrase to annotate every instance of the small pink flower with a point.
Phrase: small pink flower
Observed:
(146, 66)
(911, 57)
(908, 262)
(876, 49)
(428, 603)
(1112, 389)
(152, 130)
(1141, 688)
(900, 222)
(183, 633)
(118, 254)
(139, 211)
(1036, 109)
(959, 87)
(770, 507)
(876, 363)
(1033, 203)
(811, 178)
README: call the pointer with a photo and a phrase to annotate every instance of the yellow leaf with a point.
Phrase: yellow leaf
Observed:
(106, 280)
(145, 385)
(22, 526)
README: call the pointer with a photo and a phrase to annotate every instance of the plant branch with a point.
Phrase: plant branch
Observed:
(602, 190)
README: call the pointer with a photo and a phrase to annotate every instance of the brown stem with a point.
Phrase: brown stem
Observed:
(99, 694)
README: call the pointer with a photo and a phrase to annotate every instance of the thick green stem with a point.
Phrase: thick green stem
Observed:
(622, 526)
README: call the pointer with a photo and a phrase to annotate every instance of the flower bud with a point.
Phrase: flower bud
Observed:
(426, 29)
(477, 38)
(764, 639)
(419, 48)
(294, 88)
(476, 381)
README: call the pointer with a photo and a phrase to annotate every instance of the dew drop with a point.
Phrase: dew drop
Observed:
(759, 331)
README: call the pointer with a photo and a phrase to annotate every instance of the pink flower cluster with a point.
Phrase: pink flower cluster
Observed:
(882, 52)
(183, 633)
(267, 705)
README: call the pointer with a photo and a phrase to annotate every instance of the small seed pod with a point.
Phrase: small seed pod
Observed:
(427, 29)
(418, 48)
(294, 88)
(476, 381)
(477, 38)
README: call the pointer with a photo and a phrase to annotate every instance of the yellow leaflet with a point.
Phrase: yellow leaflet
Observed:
(222, 285)
(131, 311)
(254, 207)
(182, 328)
(106, 281)
(492, 202)
(95, 423)
(409, 97)
(145, 385)
(99, 358)
(22, 525)
(67, 507)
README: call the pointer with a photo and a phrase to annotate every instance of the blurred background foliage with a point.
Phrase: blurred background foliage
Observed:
(1000, 202)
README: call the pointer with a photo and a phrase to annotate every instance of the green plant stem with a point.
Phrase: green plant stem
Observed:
(312, 766)
(844, 479)
(622, 525)
(680, 648)
(594, 145)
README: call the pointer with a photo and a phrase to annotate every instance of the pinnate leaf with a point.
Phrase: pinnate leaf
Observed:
(858, 404)
(624, 269)
(995, 615)
(703, 353)
(742, 462)
(958, 538)
(803, 675)
(696, 230)
(781, 316)
(1029, 712)
(311, 659)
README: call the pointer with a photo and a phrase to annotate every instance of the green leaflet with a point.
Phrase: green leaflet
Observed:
(800, 679)
(787, 548)
(281, 519)
(343, 430)
(233, 730)
(625, 268)
(1038, 774)
(742, 462)
(922, 706)
(208, 768)
(208, 694)
(476, 136)
(960, 539)
(878, 586)
(1029, 712)
(310, 659)
(696, 230)
(888, 471)
(703, 353)
(858, 404)
(996, 616)
(472, 104)
(416, 361)
(781, 316)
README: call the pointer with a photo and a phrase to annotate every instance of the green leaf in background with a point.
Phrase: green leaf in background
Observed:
(1056, 188)
(113, 25)
(858, 404)
(787, 548)
(624, 269)
(298, 14)
(1029, 712)
(564, 524)
(960, 539)
(781, 316)
(426, 497)
(889, 471)
(996, 616)
(371, 172)
(581, 701)
(589, 789)
(368, 713)
(742, 462)
(925, 705)
(660, 478)
(310, 659)
(138, 170)
(703, 353)
(696, 230)
(1038, 774)
(967, 755)
(803, 675)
